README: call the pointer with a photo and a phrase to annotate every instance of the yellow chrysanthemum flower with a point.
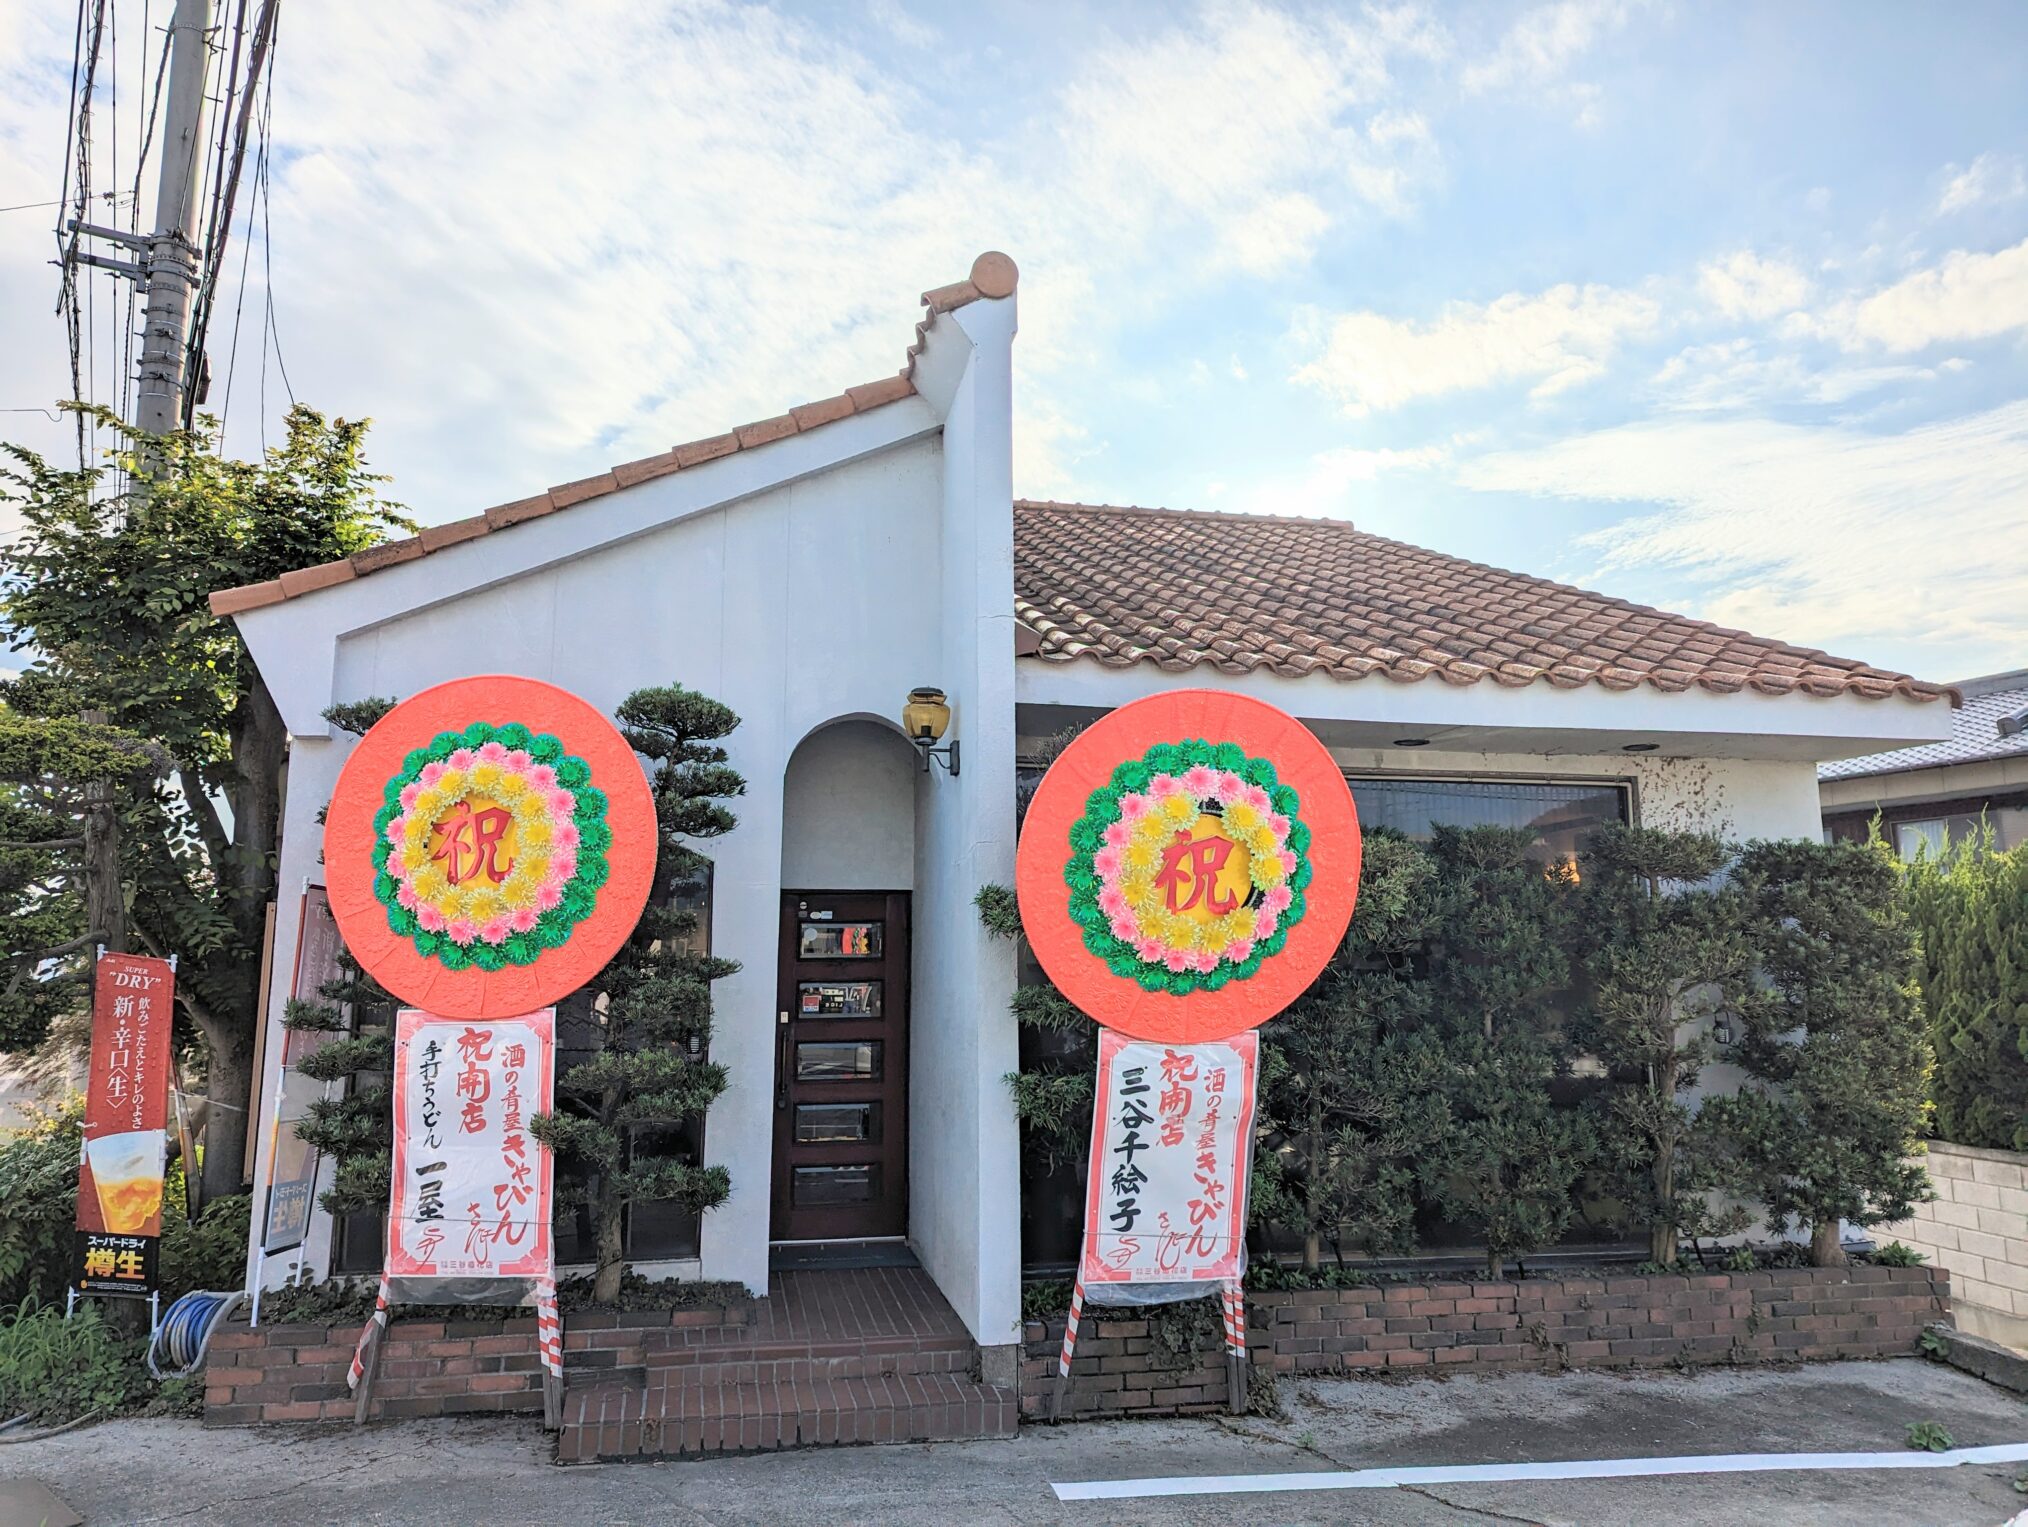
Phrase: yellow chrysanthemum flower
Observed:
(1267, 870)
(531, 808)
(511, 788)
(534, 834)
(1141, 854)
(428, 805)
(485, 777)
(414, 856)
(1179, 808)
(1241, 819)
(1262, 841)
(451, 784)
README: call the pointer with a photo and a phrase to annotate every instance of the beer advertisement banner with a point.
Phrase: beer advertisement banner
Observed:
(119, 1199)
(292, 1164)
(1171, 1145)
(472, 1188)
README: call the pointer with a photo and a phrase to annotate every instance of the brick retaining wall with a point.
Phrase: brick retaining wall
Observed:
(1542, 1323)
(285, 1372)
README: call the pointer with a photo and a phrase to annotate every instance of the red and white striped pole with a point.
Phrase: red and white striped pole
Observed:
(1233, 1300)
(374, 1327)
(1069, 1347)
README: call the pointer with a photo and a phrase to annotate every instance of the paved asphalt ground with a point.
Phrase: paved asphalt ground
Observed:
(497, 1472)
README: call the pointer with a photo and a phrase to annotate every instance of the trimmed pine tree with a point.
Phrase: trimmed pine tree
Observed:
(1352, 1084)
(1500, 967)
(1663, 947)
(1836, 1096)
(617, 1129)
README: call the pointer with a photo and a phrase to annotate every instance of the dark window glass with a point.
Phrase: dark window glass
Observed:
(1561, 815)
(841, 1061)
(837, 1123)
(841, 941)
(839, 999)
(817, 1187)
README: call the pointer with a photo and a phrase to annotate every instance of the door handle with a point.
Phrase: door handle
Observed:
(782, 1059)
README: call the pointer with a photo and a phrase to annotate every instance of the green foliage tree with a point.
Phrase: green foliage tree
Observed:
(1500, 965)
(106, 587)
(1836, 1055)
(1970, 909)
(1352, 1083)
(614, 1132)
(1663, 946)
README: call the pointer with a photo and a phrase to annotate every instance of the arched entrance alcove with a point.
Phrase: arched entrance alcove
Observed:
(841, 1037)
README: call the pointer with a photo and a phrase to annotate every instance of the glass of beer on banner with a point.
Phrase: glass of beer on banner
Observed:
(127, 1174)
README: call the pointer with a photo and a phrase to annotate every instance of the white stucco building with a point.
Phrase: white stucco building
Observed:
(811, 569)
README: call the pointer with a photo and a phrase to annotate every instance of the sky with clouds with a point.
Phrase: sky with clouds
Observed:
(1718, 307)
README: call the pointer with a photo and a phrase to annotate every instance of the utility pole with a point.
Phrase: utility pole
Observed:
(173, 259)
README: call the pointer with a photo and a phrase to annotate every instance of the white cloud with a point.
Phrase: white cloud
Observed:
(1543, 42)
(1964, 297)
(1989, 178)
(1556, 339)
(1326, 483)
(1734, 374)
(1236, 368)
(1820, 535)
(687, 215)
(1745, 285)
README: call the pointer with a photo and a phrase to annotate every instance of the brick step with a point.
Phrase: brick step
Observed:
(691, 1420)
(792, 1362)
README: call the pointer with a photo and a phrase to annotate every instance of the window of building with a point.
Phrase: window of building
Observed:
(1560, 814)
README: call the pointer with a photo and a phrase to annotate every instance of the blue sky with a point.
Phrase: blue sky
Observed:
(1718, 307)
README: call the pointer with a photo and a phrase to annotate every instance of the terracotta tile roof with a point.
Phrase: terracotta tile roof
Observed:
(1238, 593)
(993, 275)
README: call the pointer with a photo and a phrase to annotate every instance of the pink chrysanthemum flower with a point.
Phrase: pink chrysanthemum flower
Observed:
(408, 794)
(1113, 902)
(562, 805)
(1107, 862)
(1206, 961)
(1230, 787)
(1162, 786)
(542, 777)
(461, 930)
(397, 830)
(564, 835)
(1288, 862)
(1200, 780)
(1133, 807)
(429, 918)
(1149, 950)
(1257, 797)
(562, 866)
(1277, 900)
(518, 760)
(431, 773)
(1264, 925)
(463, 758)
(492, 753)
(1178, 960)
(494, 930)
(549, 896)
(525, 920)
(405, 894)
(1124, 929)
(1239, 951)
(1118, 834)
(1278, 825)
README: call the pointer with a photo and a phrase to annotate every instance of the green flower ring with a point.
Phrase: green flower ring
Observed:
(1188, 867)
(490, 846)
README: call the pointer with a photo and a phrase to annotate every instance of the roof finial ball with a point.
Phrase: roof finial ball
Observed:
(994, 274)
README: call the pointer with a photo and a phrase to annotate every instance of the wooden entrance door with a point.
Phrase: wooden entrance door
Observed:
(841, 1067)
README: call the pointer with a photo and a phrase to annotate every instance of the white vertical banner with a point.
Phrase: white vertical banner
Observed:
(1172, 1136)
(473, 1189)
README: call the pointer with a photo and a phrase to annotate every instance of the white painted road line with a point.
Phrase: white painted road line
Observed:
(1505, 1473)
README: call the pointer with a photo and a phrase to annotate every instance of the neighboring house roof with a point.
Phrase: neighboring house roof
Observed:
(1242, 592)
(1991, 723)
(993, 275)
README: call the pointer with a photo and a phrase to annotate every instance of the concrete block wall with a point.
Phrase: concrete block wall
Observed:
(1977, 1229)
(1792, 1314)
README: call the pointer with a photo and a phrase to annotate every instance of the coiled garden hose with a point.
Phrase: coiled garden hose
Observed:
(187, 1330)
